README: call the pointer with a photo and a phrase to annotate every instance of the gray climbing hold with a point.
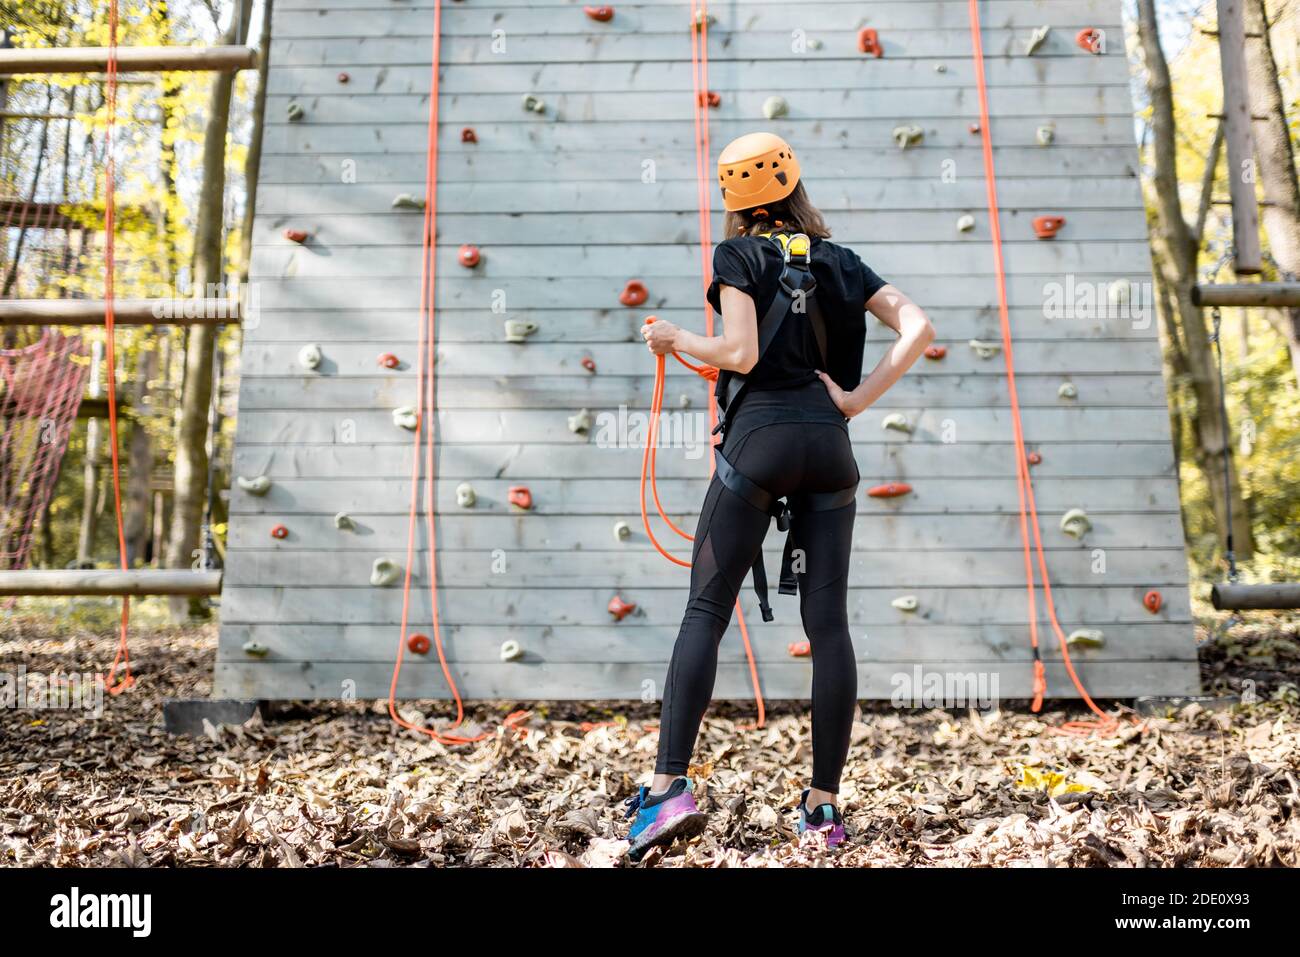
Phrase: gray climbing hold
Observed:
(683, 401)
(384, 571)
(257, 485)
(534, 104)
(310, 356)
(775, 107)
(1036, 40)
(965, 223)
(905, 603)
(511, 650)
(896, 421)
(406, 417)
(465, 495)
(1118, 292)
(407, 201)
(345, 522)
(1068, 390)
(1046, 134)
(701, 18)
(1086, 638)
(1075, 523)
(941, 68)
(255, 650)
(906, 136)
(815, 44)
(985, 349)
(581, 422)
(518, 330)
(622, 531)
(296, 112)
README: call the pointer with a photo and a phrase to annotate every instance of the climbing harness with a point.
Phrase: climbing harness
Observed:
(1106, 723)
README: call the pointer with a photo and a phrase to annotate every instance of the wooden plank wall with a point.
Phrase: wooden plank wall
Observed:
(558, 205)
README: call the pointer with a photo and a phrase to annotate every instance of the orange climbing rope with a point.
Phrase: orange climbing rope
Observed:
(703, 185)
(427, 421)
(123, 656)
(1024, 484)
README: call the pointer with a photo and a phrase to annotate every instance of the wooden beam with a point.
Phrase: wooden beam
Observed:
(1271, 294)
(1247, 253)
(143, 581)
(129, 59)
(128, 312)
(1282, 595)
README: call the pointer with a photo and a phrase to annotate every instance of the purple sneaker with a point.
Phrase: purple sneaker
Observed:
(662, 818)
(825, 819)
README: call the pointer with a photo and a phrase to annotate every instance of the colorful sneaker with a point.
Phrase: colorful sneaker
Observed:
(662, 818)
(825, 818)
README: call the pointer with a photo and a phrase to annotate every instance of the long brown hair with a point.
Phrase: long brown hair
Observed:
(795, 213)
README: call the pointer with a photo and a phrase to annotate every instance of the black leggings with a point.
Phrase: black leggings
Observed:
(784, 458)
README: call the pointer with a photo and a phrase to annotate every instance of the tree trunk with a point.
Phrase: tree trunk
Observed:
(1275, 161)
(191, 461)
(1177, 250)
(253, 163)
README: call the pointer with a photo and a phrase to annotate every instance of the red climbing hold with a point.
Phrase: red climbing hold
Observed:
(1034, 458)
(602, 14)
(1152, 600)
(418, 644)
(279, 531)
(1045, 227)
(389, 361)
(869, 42)
(467, 135)
(799, 649)
(589, 363)
(634, 293)
(1090, 39)
(343, 78)
(711, 99)
(520, 497)
(936, 352)
(889, 490)
(469, 256)
(296, 235)
(619, 608)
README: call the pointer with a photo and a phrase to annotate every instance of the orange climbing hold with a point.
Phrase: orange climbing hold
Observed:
(418, 644)
(1090, 39)
(296, 235)
(389, 361)
(889, 490)
(520, 497)
(936, 352)
(1153, 600)
(279, 531)
(634, 293)
(469, 256)
(711, 99)
(1046, 227)
(467, 135)
(619, 608)
(869, 42)
(799, 649)
(1034, 458)
(589, 363)
(601, 14)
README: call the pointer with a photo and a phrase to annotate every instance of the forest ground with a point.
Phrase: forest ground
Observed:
(336, 784)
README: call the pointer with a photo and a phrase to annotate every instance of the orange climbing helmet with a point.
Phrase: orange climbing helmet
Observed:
(755, 169)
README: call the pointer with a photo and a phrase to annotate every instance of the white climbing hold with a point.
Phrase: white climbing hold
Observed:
(896, 421)
(941, 68)
(310, 356)
(511, 650)
(534, 104)
(1046, 134)
(465, 495)
(622, 531)
(1118, 292)
(384, 571)
(581, 422)
(296, 112)
(345, 522)
(775, 107)
(518, 330)
(257, 485)
(965, 223)
(683, 401)
(985, 349)
(815, 44)
(1075, 523)
(255, 649)
(1068, 390)
(407, 201)
(405, 417)
(906, 136)
(701, 18)
(1086, 638)
(1036, 40)
(905, 603)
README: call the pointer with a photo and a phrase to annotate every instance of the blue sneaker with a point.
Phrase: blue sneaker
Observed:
(826, 819)
(663, 818)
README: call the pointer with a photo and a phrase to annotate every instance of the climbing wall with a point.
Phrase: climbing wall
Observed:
(596, 186)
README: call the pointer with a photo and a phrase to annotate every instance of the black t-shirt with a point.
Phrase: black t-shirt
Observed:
(753, 265)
